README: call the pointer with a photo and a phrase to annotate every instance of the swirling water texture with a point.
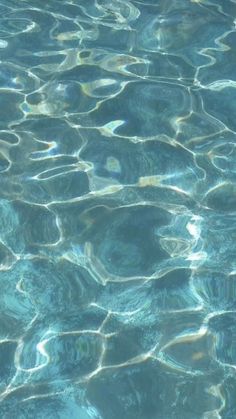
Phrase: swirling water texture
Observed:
(118, 209)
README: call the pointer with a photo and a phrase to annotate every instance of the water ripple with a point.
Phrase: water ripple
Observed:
(117, 207)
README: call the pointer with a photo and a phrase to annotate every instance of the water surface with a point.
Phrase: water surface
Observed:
(117, 209)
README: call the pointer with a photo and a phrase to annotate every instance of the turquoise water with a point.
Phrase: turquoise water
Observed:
(118, 209)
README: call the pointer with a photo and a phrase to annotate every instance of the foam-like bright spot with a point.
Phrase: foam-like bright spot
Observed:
(3, 43)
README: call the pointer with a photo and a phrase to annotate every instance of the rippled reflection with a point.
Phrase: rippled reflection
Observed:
(117, 208)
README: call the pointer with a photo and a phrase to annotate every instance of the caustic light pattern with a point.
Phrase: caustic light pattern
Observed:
(118, 209)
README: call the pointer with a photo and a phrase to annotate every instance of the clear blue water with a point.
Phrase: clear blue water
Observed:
(118, 209)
